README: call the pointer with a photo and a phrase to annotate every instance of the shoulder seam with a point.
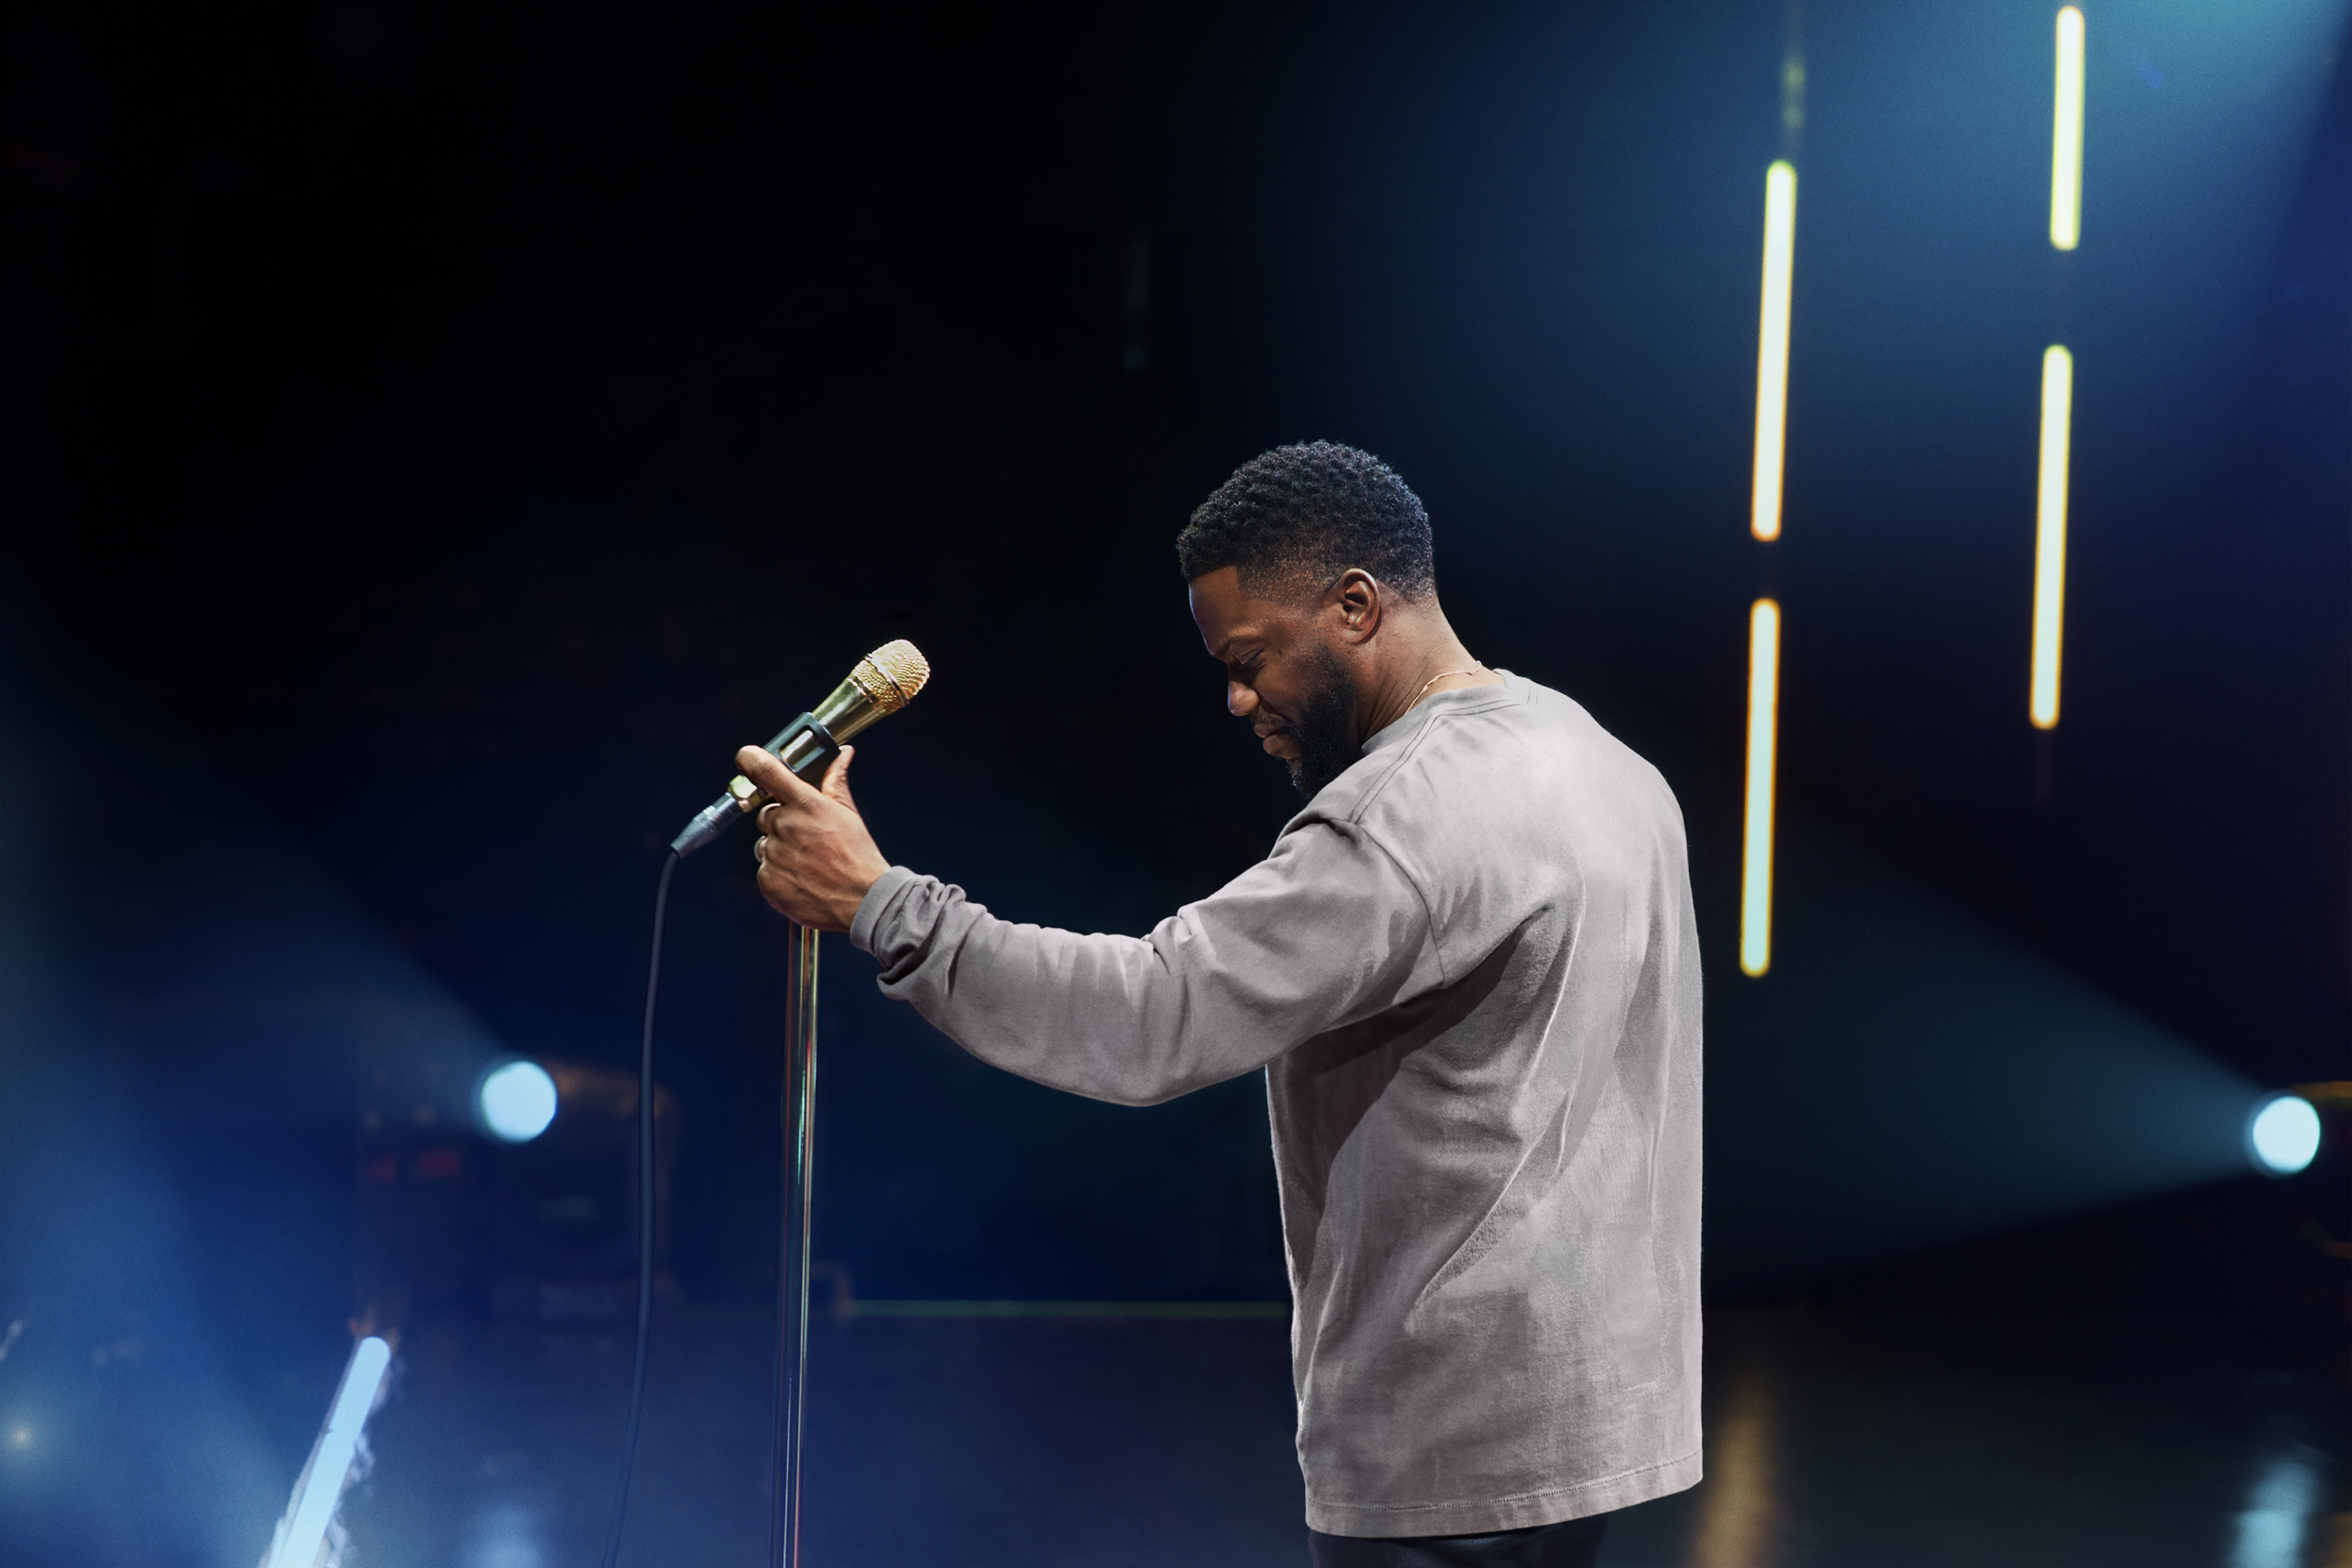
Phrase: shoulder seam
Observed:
(1405, 754)
(1428, 915)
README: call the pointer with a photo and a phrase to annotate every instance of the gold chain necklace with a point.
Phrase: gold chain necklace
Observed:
(1474, 669)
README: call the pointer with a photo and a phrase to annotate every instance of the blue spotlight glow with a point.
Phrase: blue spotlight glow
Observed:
(2283, 1135)
(515, 1101)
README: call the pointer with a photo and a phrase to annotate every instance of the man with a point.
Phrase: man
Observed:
(1470, 973)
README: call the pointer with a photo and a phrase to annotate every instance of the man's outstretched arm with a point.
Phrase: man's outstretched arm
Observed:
(1324, 932)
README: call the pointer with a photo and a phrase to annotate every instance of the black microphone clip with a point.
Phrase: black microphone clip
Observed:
(883, 682)
(813, 748)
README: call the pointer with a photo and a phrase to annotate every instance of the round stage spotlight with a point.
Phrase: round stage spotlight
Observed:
(2283, 1135)
(516, 1100)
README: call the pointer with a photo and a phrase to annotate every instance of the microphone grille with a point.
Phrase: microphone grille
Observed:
(892, 674)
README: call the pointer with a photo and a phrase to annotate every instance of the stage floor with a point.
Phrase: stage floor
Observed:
(1833, 1441)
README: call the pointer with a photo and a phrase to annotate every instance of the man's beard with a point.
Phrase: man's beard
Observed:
(1324, 728)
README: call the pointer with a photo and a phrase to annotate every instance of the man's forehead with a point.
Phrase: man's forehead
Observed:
(1224, 612)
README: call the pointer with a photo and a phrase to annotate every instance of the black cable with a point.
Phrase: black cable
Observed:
(645, 1216)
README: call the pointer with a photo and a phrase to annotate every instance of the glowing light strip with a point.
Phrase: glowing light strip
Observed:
(2067, 136)
(2049, 533)
(1763, 743)
(1772, 347)
(321, 1485)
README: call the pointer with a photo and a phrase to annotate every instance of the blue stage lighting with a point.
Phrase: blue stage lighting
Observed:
(516, 1101)
(2283, 1135)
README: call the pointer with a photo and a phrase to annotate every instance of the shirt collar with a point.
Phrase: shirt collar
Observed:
(1462, 699)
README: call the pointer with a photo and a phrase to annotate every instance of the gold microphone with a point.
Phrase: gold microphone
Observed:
(884, 681)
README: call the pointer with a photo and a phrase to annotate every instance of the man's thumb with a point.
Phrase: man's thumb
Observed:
(761, 767)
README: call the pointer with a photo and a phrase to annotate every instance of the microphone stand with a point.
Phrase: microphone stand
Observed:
(792, 1274)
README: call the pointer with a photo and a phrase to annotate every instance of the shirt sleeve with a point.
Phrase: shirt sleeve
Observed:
(1325, 931)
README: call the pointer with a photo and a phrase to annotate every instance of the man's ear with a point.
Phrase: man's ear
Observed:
(1354, 605)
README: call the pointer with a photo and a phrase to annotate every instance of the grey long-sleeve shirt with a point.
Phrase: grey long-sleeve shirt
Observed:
(1470, 971)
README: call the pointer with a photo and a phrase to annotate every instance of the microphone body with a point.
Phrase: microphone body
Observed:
(884, 681)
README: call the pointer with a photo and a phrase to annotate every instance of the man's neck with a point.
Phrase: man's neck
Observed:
(1428, 663)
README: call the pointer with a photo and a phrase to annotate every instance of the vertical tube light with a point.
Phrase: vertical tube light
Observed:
(1763, 743)
(2049, 533)
(2067, 136)
(1772, 347)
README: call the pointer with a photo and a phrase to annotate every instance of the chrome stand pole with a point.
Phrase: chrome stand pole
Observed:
(793, 1276)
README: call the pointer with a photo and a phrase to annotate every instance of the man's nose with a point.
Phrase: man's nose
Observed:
(1240, 701)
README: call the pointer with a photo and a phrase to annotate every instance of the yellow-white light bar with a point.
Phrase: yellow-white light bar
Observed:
(1772, 347)
(2067, 136)
(2049, 533)
(1763, 743)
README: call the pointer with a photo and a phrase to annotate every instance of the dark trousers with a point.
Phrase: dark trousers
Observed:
(1575, 1543)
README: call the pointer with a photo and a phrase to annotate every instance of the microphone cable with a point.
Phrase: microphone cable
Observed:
(645, 1216)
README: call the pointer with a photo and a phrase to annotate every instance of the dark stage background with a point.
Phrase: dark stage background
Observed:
(435, 436)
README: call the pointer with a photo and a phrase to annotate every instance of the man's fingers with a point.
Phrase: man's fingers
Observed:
(761, 766)
(815, 860)
(836, 777)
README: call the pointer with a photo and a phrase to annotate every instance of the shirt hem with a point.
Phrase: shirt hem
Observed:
(1524, 1511)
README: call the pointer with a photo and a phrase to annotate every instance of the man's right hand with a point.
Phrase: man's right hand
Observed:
(817, 860)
